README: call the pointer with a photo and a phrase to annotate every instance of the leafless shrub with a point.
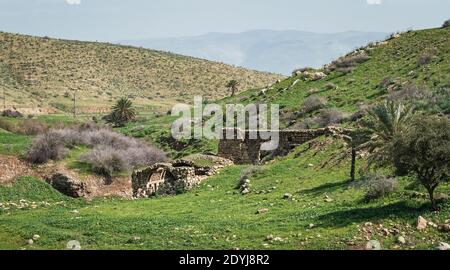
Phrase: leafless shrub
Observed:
(106, 160)
(424, 59)
(7, 125)
(378, 185)
(307, 123)
(348, 63)
(330, 86)
(112, 152)
(312, 104)
(410, 92)
(45, 147)
(329, 117)
(12, 114)
(33, 127)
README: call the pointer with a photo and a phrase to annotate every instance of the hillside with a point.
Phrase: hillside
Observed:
(43, 73)
(300, 201)
(268, 50)
(412, 66)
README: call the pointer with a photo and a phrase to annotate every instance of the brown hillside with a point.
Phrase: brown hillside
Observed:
(43, 73)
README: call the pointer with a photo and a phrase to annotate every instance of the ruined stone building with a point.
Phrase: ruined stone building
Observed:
(179, 173)
(247, 151)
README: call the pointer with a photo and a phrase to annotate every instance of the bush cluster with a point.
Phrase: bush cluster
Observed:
(378, 185)
(111, 152)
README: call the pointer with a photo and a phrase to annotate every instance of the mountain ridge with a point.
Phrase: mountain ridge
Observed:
(268, 50)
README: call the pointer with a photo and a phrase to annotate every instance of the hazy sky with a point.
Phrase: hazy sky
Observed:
(112, 20)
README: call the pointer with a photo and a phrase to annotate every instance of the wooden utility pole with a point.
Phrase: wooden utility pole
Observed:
(74, 103)
(4, 98)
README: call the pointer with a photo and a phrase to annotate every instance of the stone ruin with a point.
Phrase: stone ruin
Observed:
(247, 151)
(179, 173)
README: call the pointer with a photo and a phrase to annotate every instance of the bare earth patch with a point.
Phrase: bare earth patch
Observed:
(11, 168)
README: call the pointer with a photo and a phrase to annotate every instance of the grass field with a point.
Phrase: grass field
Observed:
(216, 216)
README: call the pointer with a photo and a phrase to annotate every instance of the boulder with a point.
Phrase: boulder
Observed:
(443, 246)
(373, 245)
(68, 186)
(421, 223)
(262, 211)
(401, 240)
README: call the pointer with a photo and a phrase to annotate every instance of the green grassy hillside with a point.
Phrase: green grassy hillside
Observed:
(42, 73)
(416, 59)
(217, 216)
(304, 200)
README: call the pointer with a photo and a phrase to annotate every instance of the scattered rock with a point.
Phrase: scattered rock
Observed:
(245, 191)
(269, 237)
(373, 245)
(443, 246)
(421, 223)
(311, 226)
(36, 237)
(328, 199)
(287, 196)
(73, 245)
(30, 242)
(401, 240)
(262, 211)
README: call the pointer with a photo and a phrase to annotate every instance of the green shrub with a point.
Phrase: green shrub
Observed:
(424, 151)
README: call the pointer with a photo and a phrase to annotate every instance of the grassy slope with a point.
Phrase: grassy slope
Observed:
(40, 71)
(215, 216)
(397, 59)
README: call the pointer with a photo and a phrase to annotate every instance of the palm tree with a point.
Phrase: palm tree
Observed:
(386, 122)
(233, 86)
(122, 112)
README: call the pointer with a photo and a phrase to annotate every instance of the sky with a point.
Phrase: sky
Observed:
(115, 20)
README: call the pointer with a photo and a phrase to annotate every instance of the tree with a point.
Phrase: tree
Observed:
(233, 86)
(357, 140)
(386, 122)
(446, 24)
(122, 113)
(424, 150)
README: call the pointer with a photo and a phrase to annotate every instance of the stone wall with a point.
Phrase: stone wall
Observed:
(147, 182)
(247, 151)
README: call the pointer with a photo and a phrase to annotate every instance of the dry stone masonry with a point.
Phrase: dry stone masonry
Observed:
(180, 173)
(247, 151)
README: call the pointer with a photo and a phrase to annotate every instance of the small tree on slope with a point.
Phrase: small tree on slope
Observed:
(424, 150)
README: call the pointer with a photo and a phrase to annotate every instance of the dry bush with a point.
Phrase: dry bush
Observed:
(312, 104)
(348, 63)
(32, 127)
(329, 117)
(378, 185)
(446, 24)
(330, 86)
(12, 114)
(424, 59)
(45, 147)
(106, 160)
(410, 92)
(112, 152)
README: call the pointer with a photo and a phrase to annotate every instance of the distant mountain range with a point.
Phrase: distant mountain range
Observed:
(265, 50)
